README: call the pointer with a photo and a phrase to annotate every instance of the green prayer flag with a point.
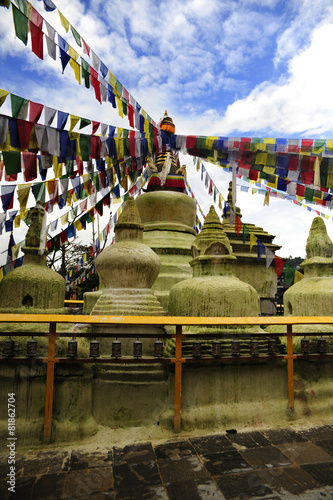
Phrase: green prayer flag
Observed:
(23, 6)
(124, 107)
(85, 72)
(84, 122)
(201, 142)
(76, 36)
(69, 166)
(308, 194)
(246, 232)
(85, 147)
(215, 193)
(20, 24)
(17, 105)
(95, 180)
(289, 275)
(119, 88)
(38, 190)
(12, 162)
(126, 196)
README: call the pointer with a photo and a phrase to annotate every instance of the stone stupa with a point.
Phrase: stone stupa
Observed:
(127, 270)
(33, 287)
(168, 215)
(313, 295)
(214, 289)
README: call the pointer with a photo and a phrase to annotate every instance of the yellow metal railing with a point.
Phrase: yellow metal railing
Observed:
(52, 320)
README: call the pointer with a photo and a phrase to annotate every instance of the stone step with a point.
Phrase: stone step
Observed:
(134, 373)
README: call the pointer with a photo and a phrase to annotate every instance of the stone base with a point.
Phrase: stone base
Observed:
(90, 299)
(128, 302)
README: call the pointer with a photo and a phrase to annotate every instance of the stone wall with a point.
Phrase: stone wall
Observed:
(213, 397)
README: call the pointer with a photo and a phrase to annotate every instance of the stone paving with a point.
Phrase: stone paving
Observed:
(272, 465)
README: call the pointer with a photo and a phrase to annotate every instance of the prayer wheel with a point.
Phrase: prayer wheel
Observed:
(72, 348)
(321, 345)
(196, 349)
(137, 349)
(158, 349)
(94, 349)
(8, 348)
(32, 347)
(271, 347)
(216, 348)
(235, 348)
(254, 347)
(116, 349)
(305, 346)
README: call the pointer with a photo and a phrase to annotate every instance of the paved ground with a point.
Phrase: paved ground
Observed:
(275, 464)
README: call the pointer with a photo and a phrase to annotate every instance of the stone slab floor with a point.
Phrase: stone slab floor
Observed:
(274, 464)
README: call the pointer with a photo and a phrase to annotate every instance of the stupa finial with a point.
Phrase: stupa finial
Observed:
(318, 243)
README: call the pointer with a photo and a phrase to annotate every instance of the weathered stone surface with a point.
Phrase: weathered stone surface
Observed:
(213, 290)
(127, 270)
(313, 295)
(168, 218)
(33, 287)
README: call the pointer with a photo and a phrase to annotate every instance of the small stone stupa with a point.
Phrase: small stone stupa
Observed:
(33, 287)
(313, 295)
(127, 270)
(248, 268)
(214, 290)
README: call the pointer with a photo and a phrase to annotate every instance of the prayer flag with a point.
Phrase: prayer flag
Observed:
(63, 21)
(3, 96)
(20, 24)
(279, 264)
(260, 249)
(12, 162)
(246, 232)
(35, 111)
(36, 40)
(7, 197)
(49, 5)
(30, 166)
(238, 225)
(253, 240)
(269, 257)
(86, 48)
(76, 36)
(19, 106)
(64, 58)
(298, 276)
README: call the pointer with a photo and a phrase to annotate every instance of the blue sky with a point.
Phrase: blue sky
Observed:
(233, 68)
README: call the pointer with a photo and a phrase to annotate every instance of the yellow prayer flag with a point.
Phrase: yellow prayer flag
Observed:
(298, 276)
(254, 190)
(64, 219)
(63, 21)
(23, 191)
(123, 183)
(1, 273)
(261, 159)
(210, 141)
(15, 250)
(120, 107)
(273, 184)
(146, 127)
(77, 70)
(115, 201)
(316, 180)
(72, 53)
(119, 211)
(73, 135)
(266, 199)
(5, 145)
(269, 170)
(17, 221)
(100, 237)
(57, 167)
(78, 225)
(3, 95)
(24, 213)
(329, 144)
(198, 165)
(112, 80)
(269, 140)
(220, 201)
(144, 114)
(73, 121)
(253, 240)
(119, 132)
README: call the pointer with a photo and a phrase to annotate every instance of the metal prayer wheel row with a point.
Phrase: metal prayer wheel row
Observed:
(9, 346)
(115, 349)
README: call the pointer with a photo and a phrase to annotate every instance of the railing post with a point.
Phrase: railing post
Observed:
(178, 360)
(290, 357)
(50, 360)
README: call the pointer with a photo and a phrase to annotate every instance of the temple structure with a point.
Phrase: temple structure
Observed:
(33, 287)
(248, 267)
(168, 215)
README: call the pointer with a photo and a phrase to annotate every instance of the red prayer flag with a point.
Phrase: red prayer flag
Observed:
(30, 166)
(36, 18)
(86, 48)
(35, 111)
(278, 263)
(95, 126)
(96, 145)
(36, 40)
(24, 130)
(63, 236)
(191, 141)
(91, 251)
(95, 83)
(238, 225)
(79, 164)
(130, 112)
